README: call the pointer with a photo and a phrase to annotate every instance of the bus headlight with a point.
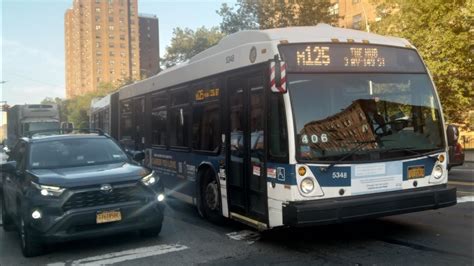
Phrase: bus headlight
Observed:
(48, 190)
(307, 185)
(149, 179)
(438, 171)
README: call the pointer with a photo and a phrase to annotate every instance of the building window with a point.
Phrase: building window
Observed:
(356, 22)
(122, 37)
(97, 9)
(355, 1)
(111, 19)
(111, 27)
(98, 53)
(111, 45)
(111, 53)
(97, 27)
(334, 9)
(97, 44)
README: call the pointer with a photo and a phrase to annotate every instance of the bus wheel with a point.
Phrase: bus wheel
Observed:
(210, 198)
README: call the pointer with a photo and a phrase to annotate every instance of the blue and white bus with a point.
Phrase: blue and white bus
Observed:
(294, 127)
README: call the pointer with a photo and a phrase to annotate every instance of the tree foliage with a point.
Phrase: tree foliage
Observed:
(187, 43)
(76, 110)
(265, 14)
(62, 106)
(440, 30)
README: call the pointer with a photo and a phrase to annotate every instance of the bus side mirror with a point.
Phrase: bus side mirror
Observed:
(452, 134)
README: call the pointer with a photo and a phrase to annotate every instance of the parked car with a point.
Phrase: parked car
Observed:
(71, 186)
(456, 153)
(456, 156)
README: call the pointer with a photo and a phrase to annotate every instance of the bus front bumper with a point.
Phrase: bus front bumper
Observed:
(339, 210)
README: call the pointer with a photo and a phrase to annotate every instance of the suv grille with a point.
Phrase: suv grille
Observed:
(99, 198)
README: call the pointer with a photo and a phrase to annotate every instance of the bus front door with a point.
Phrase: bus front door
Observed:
(246, 179)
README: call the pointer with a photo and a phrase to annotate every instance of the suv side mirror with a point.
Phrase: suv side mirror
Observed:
(8, 167)
(452, 134)
(137, 156)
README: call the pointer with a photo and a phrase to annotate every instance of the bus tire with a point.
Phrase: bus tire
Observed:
(210, 199)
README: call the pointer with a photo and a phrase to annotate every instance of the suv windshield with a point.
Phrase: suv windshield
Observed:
(372, 116)
(75, 152)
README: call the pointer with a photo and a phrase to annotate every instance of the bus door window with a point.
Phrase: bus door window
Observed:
(257, 184)
(237, 148)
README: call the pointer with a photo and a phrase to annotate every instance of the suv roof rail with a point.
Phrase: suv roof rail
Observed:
(61, 131)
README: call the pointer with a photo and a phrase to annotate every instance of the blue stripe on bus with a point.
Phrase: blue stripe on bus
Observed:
(281, 173)
(428, 163)
(178, 169)
(325, 177)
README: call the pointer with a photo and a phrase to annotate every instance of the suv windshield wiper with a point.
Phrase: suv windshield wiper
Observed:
(360, 145)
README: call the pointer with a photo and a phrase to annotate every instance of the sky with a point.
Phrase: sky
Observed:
(32, 41)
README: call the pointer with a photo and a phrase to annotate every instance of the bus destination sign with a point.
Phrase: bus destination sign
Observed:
(350, 58)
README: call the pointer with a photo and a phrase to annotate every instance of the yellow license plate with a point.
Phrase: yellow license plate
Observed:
(108, 216)
(416, 172)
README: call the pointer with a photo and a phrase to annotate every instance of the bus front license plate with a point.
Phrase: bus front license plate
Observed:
(108, 216)
(416, 172)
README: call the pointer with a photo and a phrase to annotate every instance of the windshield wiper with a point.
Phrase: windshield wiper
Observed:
(360, 145)
(407, 149)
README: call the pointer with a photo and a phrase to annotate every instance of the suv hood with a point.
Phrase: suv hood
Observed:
(89, 175)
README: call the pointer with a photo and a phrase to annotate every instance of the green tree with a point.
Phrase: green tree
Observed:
(243, 16)
(187, 43)
(440, 30)
(78, 108)
(62, 106)
(265, 14)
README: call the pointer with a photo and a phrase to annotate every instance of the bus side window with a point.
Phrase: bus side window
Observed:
(278, 137)
(206, 128)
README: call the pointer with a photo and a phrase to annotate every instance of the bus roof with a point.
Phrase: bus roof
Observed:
(233, 51)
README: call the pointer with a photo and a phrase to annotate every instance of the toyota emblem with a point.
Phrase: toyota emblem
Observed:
(106, 188)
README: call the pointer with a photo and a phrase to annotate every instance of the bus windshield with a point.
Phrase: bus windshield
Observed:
(362, 116)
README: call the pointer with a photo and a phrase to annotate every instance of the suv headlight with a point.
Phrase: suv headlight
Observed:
(149, 179)
(48, 190)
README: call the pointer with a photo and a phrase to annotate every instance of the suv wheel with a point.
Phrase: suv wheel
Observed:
(30, 246)
(210, 198)
(7, 221)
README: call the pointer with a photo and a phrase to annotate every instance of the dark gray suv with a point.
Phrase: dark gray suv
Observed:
(65, 187)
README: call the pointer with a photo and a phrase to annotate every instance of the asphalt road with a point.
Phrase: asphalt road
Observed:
(438, 237)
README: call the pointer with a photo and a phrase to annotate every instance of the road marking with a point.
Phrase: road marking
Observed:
(469, 184)
(245, 235)
(466, 199)
(126, 255)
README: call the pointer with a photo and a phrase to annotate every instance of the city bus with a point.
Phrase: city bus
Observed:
(295, 126)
